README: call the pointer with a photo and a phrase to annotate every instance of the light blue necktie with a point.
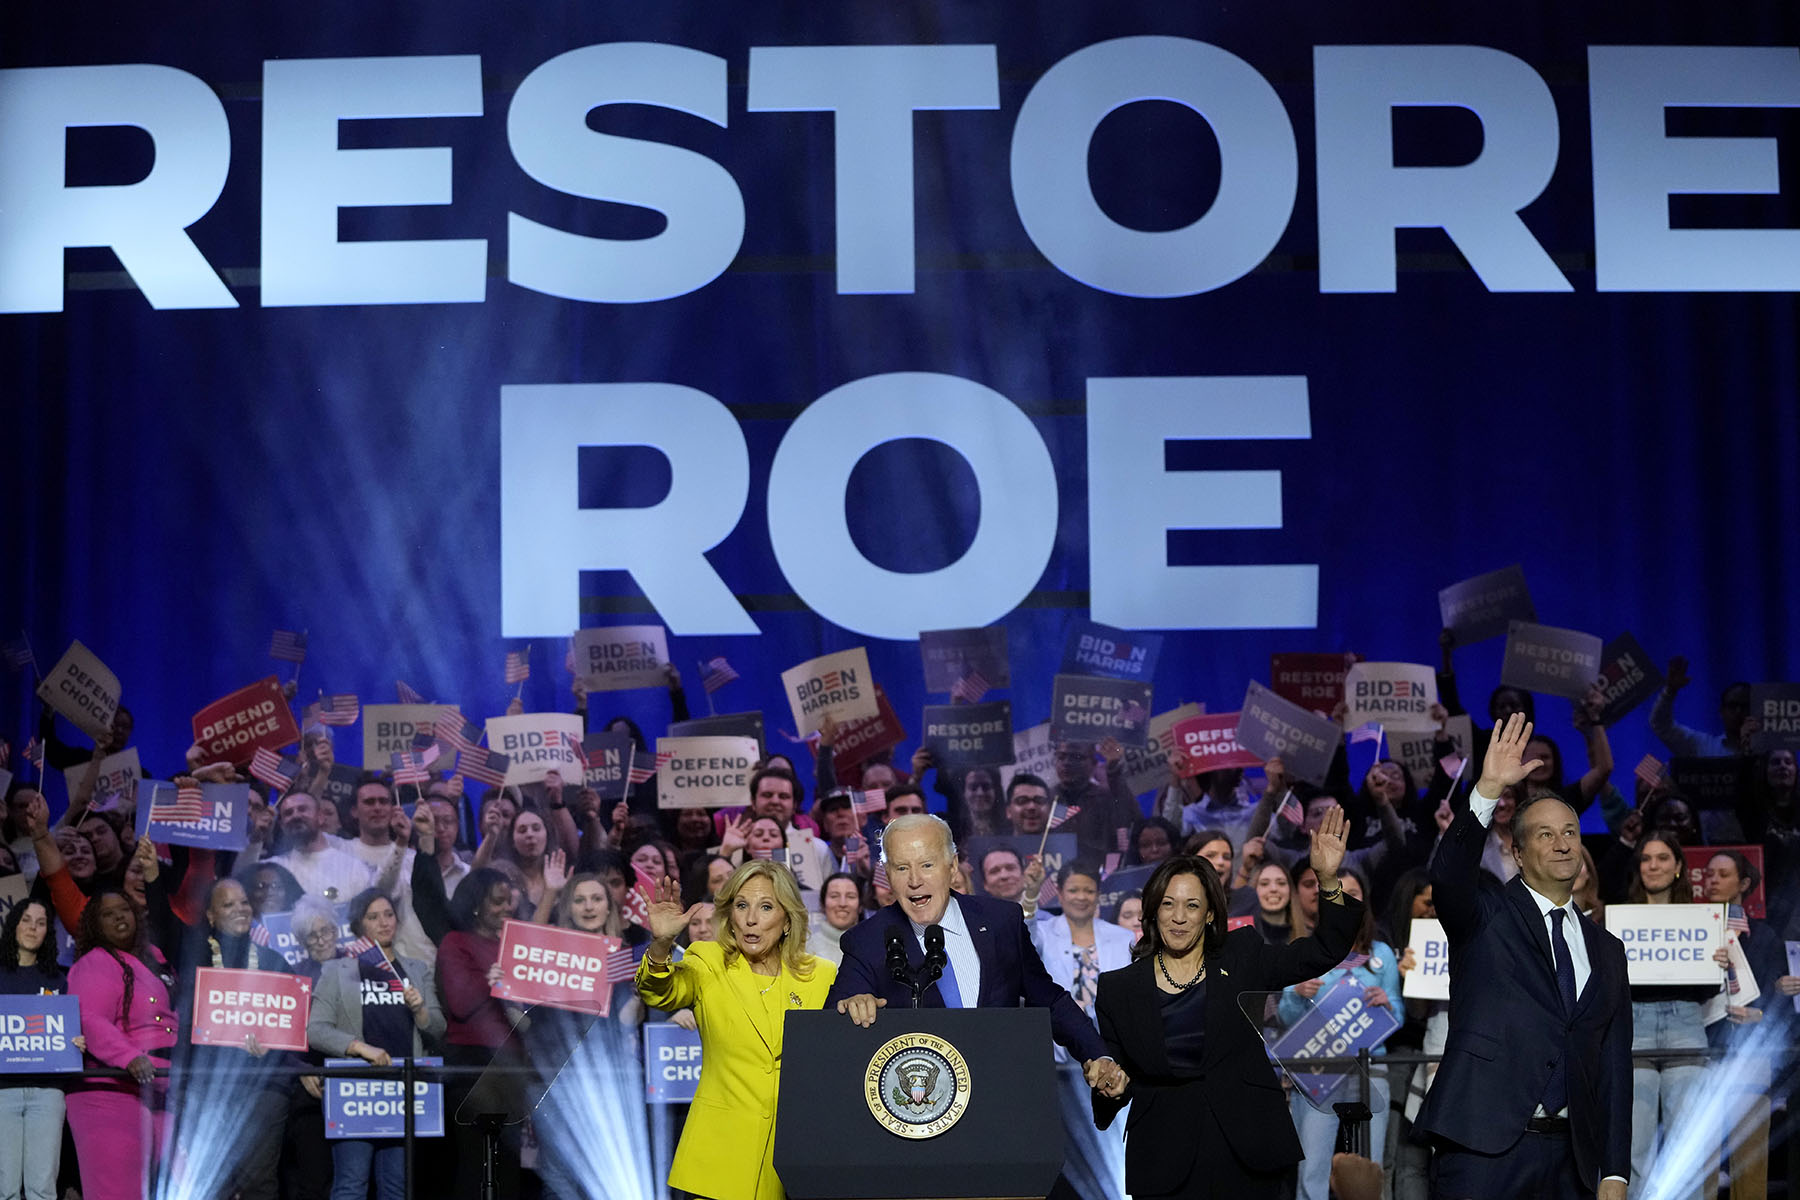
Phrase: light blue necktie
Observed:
(947, 984)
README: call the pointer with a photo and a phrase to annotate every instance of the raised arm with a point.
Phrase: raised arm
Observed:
(1455, 867)
(662, 982)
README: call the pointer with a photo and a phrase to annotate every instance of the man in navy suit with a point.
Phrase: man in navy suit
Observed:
(991, 960)
(1534, 1094)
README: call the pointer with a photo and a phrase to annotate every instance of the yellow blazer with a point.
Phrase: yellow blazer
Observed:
(727, 1149)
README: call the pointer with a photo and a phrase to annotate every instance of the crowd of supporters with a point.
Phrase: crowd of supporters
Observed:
(429, 873)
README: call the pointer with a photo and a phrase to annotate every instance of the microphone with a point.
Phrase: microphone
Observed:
(935, 953)
(896, 958)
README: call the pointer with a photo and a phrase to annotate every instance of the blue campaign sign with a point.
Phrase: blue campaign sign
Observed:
(373, 1108)
(671, 1063)
(216, 819)
(1338, 1025)
(280, 929)
(37, 1033)
(1096, 649)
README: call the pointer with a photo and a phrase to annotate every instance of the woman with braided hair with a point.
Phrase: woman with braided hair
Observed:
(122, 984)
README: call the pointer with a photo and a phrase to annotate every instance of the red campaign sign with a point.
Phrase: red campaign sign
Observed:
(231, 729)
(564, 968)
(857, 741)
(1698, 856)
(1209, 742)
(230, 1005)
(1232, 923)
(1313, 681)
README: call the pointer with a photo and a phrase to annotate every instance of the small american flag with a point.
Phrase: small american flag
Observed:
(1068, 814)
(1370, 732)
(642, 774)
(259, 933)
(872, 801)
(187, 805)
(410, 768)
(341, 709)
(456, 732)
(1291, 810)
(1353, 961)
(880, 877)
(288, 645)
(483, 765)
(715, 674)
(1047, 892)
(407, 693)
(621, 965)
(18, 654)
(518, 665)
(1650, 771)
(34, 753)
(1735, 919)
(423, 740)
(637, 900)
(1123, 837)
(273, 769)
(969, 687)
(1452, 765)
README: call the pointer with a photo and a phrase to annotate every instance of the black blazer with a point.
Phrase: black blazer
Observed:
(1240, 1086)
(1506, 1018)
(1011, 971)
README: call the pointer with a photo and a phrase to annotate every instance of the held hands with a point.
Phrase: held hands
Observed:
(684, 1017)
(828, 731)
(1788, 985)
(861, 1008)
(1377, 997)
(493, 975)
(1503, 766)
(145, 854)
(1408, 961)
(1328, 842)
(256, 1049)
(667, 917)
(415, 999)
(315, 1086)
(424, 832)
(1105, 1076)
(375, 1056)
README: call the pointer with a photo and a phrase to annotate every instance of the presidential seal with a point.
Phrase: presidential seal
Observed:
(917, 1086)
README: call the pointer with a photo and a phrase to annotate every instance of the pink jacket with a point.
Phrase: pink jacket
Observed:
(115, 1037)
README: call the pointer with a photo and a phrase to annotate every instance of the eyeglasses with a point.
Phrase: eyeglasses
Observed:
(320, 935)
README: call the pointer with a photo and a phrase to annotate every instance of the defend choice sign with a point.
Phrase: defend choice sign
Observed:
(1269, 726)
(1430, 977)
(1398, 695)
(564, 968)
(1669, 943)
(1209, 743)
(230, 1005)
(537, 744)
(1542, 658)
(37, 1033)
(969, 735)
(1084, 708)
(1338, 1025)
(388, 729)
(1033, 754)
(622, 656)
(865, 737)
(838, 684)
(671, 1063)
(83, 690)
(706, 772)
(1480, 608)
(372, 1108)
(231, 729)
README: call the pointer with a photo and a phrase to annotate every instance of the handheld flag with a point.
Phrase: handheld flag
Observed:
(409, 768)
(274, 769)
(518, 665)
(1291, 810)
(621, 965)
(406, 693)
(455, 732)
(342, 709)
(969, 687)
(18, 655)
(715, 674)
(483, 766)
(639, 774)
(1069, 813)
(1652, 772)
(288, 645)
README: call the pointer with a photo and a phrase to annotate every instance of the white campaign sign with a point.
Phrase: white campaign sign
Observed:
(1670, 943)
(388, 729)
(837, 684)
(620, 657)
(119, 775)
(538, 743)
(1397, 695)
(83, 690)
(1430, 977)
(705, 772)
(1416, 749)
(1033, 754)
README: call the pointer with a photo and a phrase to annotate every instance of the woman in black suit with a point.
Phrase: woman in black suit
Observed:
(1208, 1116)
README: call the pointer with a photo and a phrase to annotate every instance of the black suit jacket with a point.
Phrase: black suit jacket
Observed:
(1506, 1020)
(1011, 971)
(1239, 1084)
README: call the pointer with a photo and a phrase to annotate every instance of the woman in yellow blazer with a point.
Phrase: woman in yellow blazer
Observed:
(741, 989)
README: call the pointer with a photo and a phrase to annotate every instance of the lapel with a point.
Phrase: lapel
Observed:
(986, 941)
(746, 986)
(1593, 938)
(1538, 933)
(1143, 1018)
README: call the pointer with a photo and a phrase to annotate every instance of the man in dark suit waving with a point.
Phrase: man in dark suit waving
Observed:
(1534, 1094)
(989, 960)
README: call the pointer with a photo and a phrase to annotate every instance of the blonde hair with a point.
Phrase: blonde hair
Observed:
(787, 894)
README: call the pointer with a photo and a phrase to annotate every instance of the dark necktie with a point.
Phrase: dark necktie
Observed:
(1556, 1092)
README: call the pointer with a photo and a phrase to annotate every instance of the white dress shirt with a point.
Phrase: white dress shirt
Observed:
(1483, 809)
(960, 948)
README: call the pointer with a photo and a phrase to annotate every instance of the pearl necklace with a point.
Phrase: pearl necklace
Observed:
(1180, 987)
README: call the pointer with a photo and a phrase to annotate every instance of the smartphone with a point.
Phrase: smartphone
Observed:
(853, 843)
